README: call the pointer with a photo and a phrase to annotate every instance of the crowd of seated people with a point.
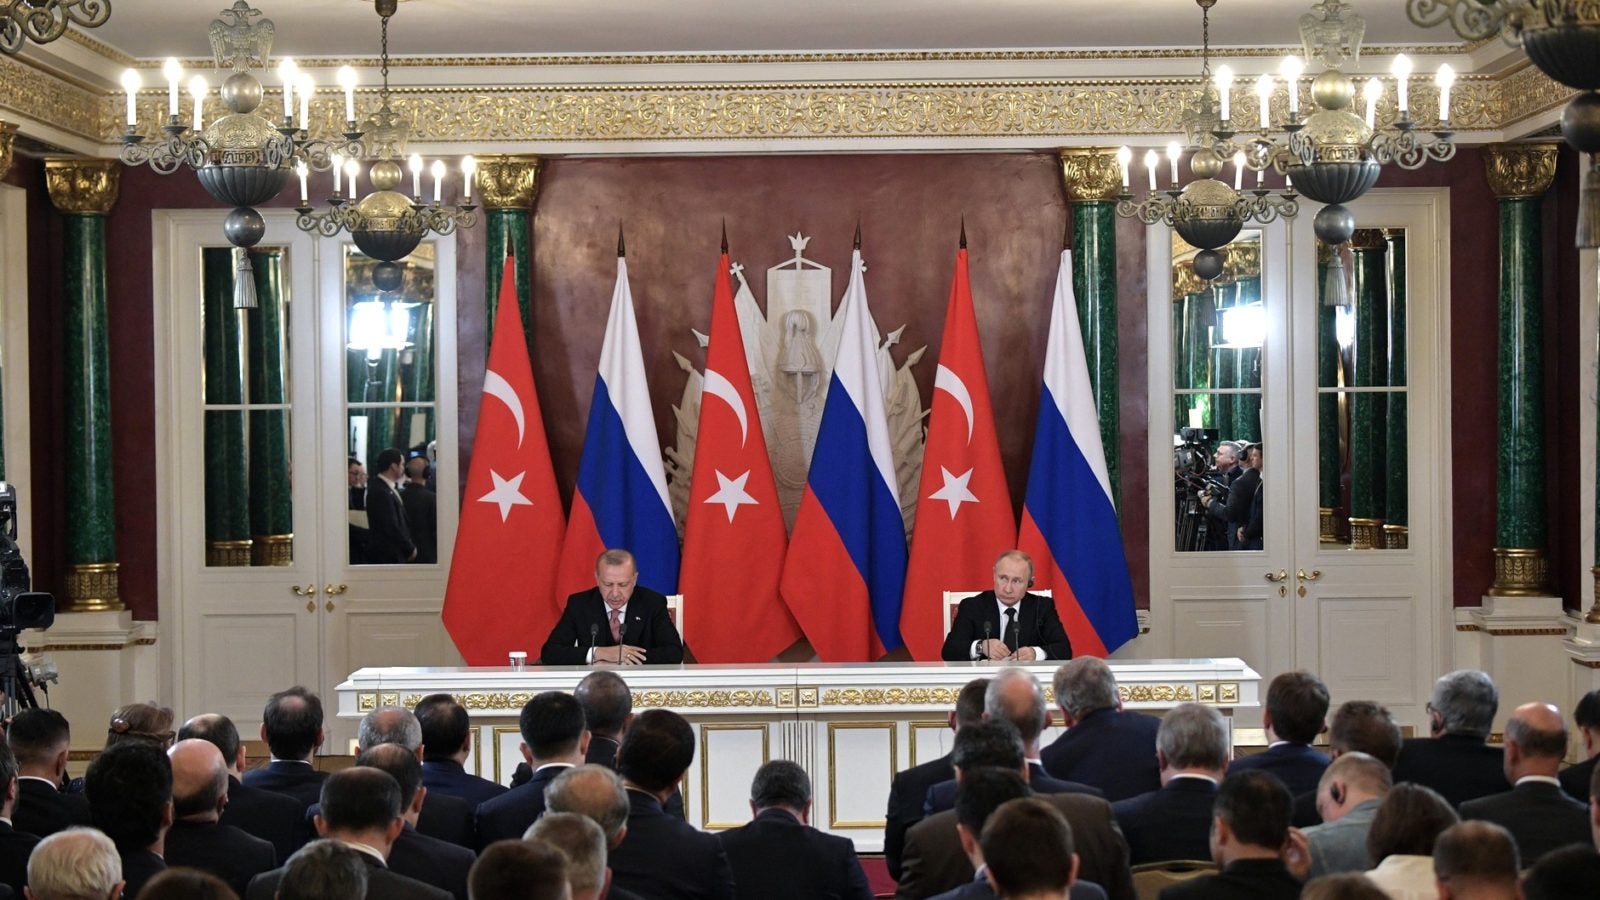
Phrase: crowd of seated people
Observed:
(171, 810)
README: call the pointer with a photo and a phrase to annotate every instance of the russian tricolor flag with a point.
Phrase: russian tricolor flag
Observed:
(845, 570)
(621, 496)
(1069, 523)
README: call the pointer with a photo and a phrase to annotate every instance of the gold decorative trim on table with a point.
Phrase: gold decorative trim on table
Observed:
(94, 648)
(1217, 692)
(1155, 693)
(1548, 631)
(1520, 572)
(833, 771)
(92, 587)
(1520, 170)
(367, 701)
(513, 701)
(705, 766)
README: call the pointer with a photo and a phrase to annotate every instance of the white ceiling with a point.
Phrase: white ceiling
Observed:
(305, 28)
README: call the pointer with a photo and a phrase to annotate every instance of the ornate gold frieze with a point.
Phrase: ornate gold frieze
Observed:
(83, 186)
(1091, 174)
(1396, 537)
(1366, 534)
(1370, 239)
(1155, 693)
(1520, 170)
(35, 94)
(508, 182)
(228, 553)
(272, 550)
(714, 699)
(92, 587)
(889, 696)
(1520, 572)
(1220, 692)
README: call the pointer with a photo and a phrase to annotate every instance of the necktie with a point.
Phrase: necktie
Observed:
(1010, 634)
(616, 626)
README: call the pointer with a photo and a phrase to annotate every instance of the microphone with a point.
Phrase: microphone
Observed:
(594, 630)
(983, 648)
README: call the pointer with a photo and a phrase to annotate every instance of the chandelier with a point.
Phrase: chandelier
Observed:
(1562, 39)
(386, 224)
(42, 21)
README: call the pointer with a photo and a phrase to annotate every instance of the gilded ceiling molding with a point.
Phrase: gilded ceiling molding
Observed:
(1091, 174)
(83, 186)
(508, 182)
(1520, 170)
(1526, 92)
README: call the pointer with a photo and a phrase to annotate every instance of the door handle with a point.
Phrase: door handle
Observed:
(1278, 576)
(329, 607)
(334, 590)
(311, 606)
(1304, 576)
(309, 590)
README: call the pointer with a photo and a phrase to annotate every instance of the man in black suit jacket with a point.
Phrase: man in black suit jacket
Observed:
(1007, 622)
(1575, 778)
(40, 739)
(662, 857)
(129, 787)
(1242, 492)
(446, 744)
(1357, 726)
(779, 855)
(361, 810)
(1537, 812)
(1249, 830)
(553, 740)
(422, 511)
(415, 854)
(594, 793)
(1456, 761)
(388, 535)
(1297, 709)
(1174, 822)
(197, 838)
(275, 818)
(291, 724)
(909, 789)
(617, 621)
(15, 846)
(1104, 745)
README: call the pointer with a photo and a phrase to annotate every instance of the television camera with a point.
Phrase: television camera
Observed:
(21, 608)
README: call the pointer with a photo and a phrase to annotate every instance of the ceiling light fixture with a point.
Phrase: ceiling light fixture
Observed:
(42, 21)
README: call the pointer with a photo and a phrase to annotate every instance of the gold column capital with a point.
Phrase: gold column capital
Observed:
(1368, 239)
(1521, 169)
(1090, 173)
(509, 182)
(85, 186)
(1243, 261)
(1185, 281)
(8, 140)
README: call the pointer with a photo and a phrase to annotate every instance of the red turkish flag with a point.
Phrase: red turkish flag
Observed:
(503, 571)
(733, 538)
(964, 519)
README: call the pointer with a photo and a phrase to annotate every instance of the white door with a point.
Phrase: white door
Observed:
(1257, 362)
(236, 631)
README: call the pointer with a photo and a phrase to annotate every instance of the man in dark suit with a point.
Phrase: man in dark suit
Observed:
(15, 846)
(521, 870)
(1242, 493)
(414, 854)
(607, 709)
(443, 816)
(553, 740)
(1174, 821)
(276, 818)
(1252, 535)
(662, 857)
(617, 621)
(779, 855)
(584, 844)
(422, 511)
(592, 792)
(909, 788)
(1537, 812)
(1297, 708)
(1575, 778)
(1218, 535)
(388, 535)
(1475, 859)
(129, 787)
(360, 810)
(197, 838)
(1456, 761)
(1249, 830)
(983, 791)
(1028, 848)
(1357, 726)
(1104, 745)
(40, 739)
(1007, 622)
(446, 744)
(291, 724)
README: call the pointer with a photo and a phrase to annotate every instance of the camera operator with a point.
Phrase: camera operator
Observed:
(1218, 535)
(1241, 495)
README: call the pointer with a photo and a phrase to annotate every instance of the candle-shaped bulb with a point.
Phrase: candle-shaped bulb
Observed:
(351, 170)
(304, 87)
(1124, 158)
(287, 73)
(1174, 153)
(1371, 92)
(437, 169)
(301, 170)
(1445, 78)
(1151, 160)
(1264, 98)
(469, 170)
(174, 74)
(338, 174)
(347, 81)
(130, 84)
(415, 165)
(1290, 69)
(1224, 82)
(197, 90)
(1238, 169)
(1401, 69)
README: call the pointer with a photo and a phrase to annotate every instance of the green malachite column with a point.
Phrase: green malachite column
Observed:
(1396, 493)
(1224, 360)
(226, 467)
(1247, 407)
(271, 504)
(8, 138)
(1328, 488)
(1519, 174)
(1367, 425)
(84, 190)
(1093, 180)
(416, 381)
(509, 185)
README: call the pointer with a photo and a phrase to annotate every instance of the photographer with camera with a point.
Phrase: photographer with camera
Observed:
(1218, 535)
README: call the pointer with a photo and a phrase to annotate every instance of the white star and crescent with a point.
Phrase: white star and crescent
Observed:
(495, 385)
(731, 493)
(948, 381)
(507, 493)
(955, 491)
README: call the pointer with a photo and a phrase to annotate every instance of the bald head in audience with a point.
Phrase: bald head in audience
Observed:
(1349, 781)
(76, 864)
(1475, 860)
(585, 847)
(390, 725)
(1014, 696)
(594, 792)
(199, 780)
(222, 733)
(1536, 741)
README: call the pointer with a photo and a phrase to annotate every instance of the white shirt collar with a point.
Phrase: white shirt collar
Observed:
(1195, 775)
(553, 766)
(368, 849)
(1537, 779)
(52, 784)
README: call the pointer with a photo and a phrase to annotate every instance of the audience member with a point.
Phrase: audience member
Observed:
(1570, 873)
(594, 792)
(1475, 861)
(129, 786)
(1357, 725)
(1104, 746)
(40, 739)
(75, 864)
(1348, 797)
(15, 846)
(414, 854)
(663, 857)
(1249, 831)
(187, 884)
(584, 843)
(361, 809)
(607, 709)
(1456, 761)
(197, 838)
(1400, 841)
(421, 507)
(553, 740)
(276, 818)
(779, 854)
(520, 870)
(1537, 812)
(141, 722)
(291, 724)
(910, 787)
(446, 744)
(1594, 807)
(1575, 778)
(1297, 704)
(324, 870)
(444, 817)
(1027, 847)
(1174, 822)
(1346, 886)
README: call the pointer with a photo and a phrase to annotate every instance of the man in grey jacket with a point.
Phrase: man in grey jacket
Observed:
(1348, 796)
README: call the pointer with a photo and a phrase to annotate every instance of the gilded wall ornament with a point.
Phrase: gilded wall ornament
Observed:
(1091, 174)
(8, 140)
(1520, 170)
(509, 182)
(1370, 239)
(84, 186)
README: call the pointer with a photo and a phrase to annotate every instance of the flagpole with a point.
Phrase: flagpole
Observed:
(622, 250)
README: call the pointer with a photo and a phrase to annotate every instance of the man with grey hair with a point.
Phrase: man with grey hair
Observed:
(1174, 821)
(581, 839)
(1537, 812)
(324, 870)
(779, 855)
(1348, 796)
(1008, 622)
(390, 725)
(443, 817)
(595, 792)
(1456, 761)
(617, 621)
(197, 838)
(75, 864)
(1104, 745)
